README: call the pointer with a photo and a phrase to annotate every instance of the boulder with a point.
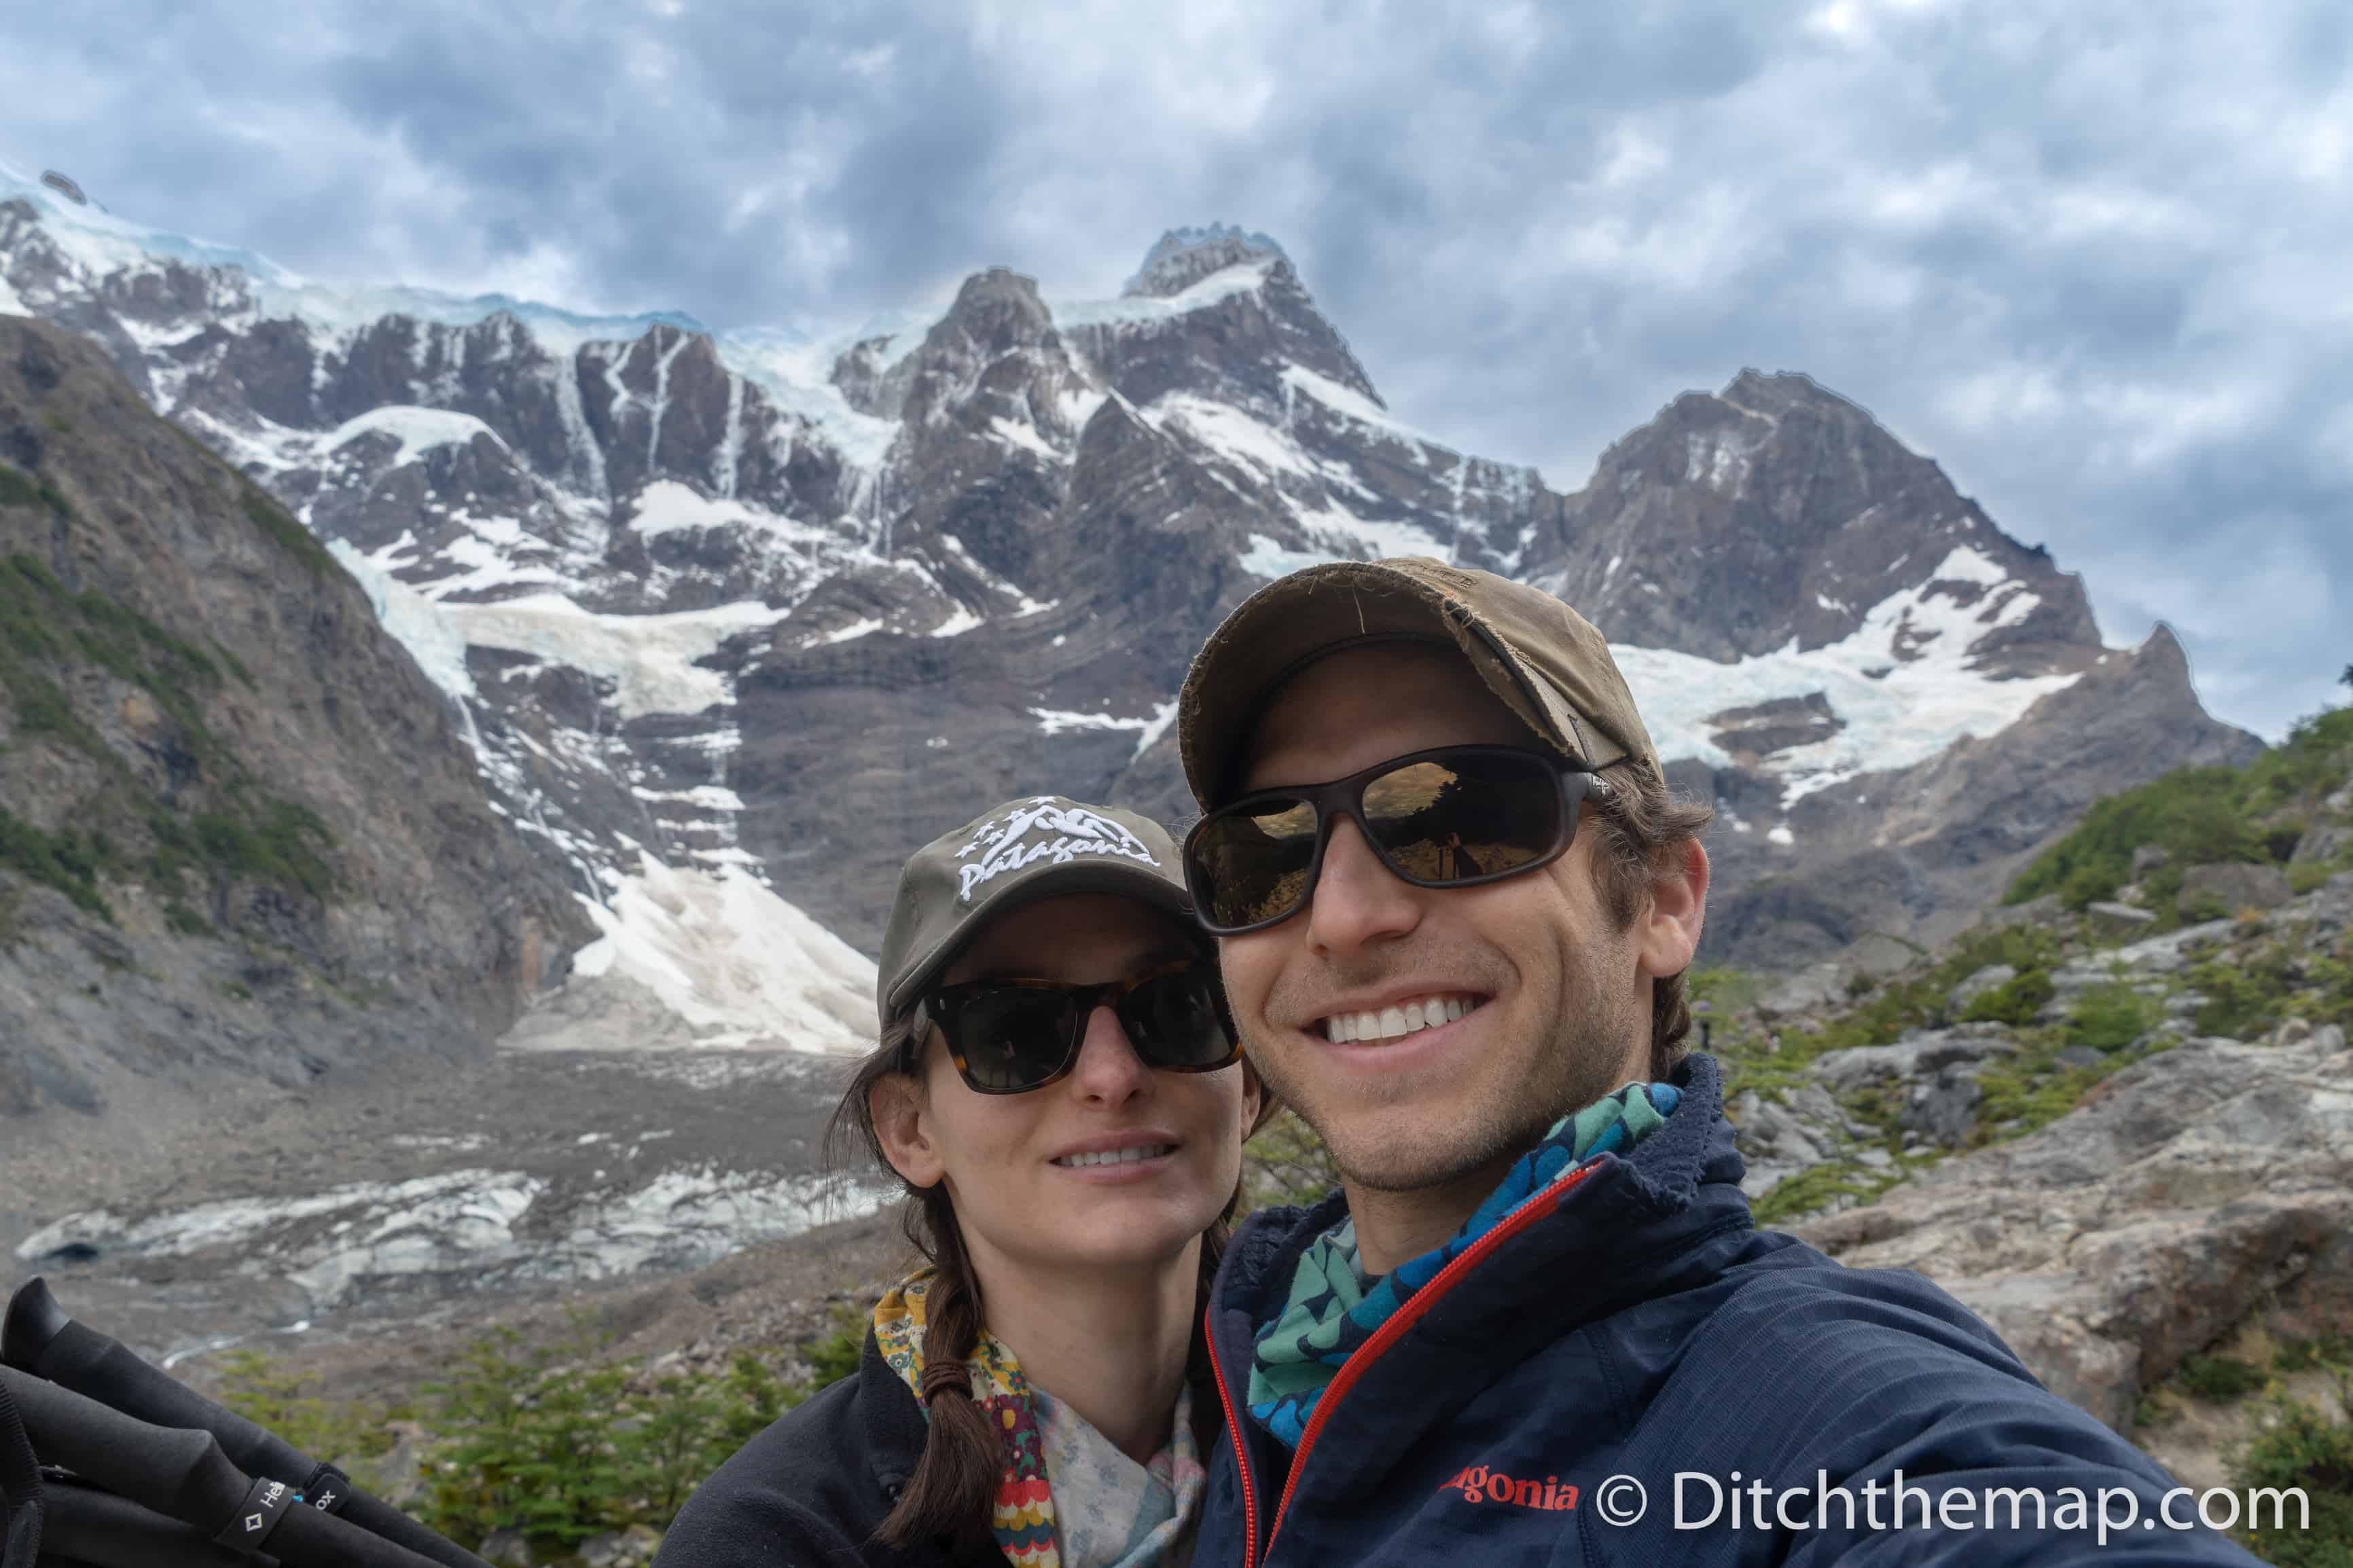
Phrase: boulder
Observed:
(1770, 1136)
(506, 1549)
(631, 1548)
(2152, 956)
(1919, 1053)
(1945, 1107)
(2148, 858)
(2322, 841)
(2113, 919)
(1881, 956)
(2231, 887)
(1811, 988)
(2193, 1191)
(2044, 911)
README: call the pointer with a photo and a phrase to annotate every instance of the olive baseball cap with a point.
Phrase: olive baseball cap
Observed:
(1545, 661)
(1040, 846)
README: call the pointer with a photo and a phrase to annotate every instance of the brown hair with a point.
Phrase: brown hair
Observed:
(953, 1491)
(1644, 828)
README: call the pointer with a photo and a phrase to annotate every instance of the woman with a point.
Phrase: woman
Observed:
(1060, 1090)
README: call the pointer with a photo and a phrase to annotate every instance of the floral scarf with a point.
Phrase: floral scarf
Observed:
(1120, 1514)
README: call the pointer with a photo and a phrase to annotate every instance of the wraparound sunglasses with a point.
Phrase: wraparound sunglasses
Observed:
(1009, 1036)
(1455, 816)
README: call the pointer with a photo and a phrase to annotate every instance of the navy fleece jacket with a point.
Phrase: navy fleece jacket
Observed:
(1630, 1321)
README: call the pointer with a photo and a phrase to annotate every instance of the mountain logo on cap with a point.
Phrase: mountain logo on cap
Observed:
(1041, 828)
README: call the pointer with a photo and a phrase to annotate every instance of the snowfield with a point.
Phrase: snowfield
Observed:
(1903, 684)
(744, 969)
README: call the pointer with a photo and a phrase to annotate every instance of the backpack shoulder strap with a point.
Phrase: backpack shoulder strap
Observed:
(20, 1489)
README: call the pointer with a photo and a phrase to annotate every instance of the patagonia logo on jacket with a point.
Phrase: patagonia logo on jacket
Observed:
(1480, 1484)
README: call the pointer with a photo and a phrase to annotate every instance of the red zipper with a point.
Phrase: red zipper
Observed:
(1238, 1434)
(1387, 1334)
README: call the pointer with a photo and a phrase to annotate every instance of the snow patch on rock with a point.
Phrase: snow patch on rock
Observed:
(417, 430)
(1903, 684)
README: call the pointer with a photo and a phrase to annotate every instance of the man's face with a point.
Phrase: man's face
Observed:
(1558, 1004)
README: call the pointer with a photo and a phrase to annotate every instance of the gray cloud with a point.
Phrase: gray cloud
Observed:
(2089, 258)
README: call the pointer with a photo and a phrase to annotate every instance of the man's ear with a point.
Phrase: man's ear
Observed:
(1253, 1099)
(901, 1106)
(1667, 935)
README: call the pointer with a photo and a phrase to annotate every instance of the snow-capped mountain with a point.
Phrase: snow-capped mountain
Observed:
(738, 619)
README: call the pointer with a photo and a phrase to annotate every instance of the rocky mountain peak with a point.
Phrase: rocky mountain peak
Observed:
(1000, 308)
(1777, 509)
(1182, 256)
(995, 343)
(1775, 393)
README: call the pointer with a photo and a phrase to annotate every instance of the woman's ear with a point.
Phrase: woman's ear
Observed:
(902, 1112)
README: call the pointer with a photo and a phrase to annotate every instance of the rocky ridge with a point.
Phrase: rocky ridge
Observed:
(762, 611)
(241, 837)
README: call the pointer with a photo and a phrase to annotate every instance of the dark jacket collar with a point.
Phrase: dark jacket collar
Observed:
(1622, 1235)
(891, 1418)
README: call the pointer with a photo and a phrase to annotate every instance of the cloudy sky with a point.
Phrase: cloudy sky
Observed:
(2092, 256)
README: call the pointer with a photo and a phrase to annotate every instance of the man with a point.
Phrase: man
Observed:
(1536, 1324)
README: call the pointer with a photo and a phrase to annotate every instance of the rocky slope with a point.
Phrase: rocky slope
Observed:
(241, 834)
(2124, 1134)
(761, 612)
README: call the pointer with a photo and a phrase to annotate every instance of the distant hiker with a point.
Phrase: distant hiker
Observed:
(1059, 1087)
(1537, 1323)
(1458, 863)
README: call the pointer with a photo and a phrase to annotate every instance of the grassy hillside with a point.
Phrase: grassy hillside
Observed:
(2258, 814)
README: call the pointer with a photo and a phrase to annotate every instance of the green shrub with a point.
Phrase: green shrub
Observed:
(278, 844)
(179, 918)
(66, 861)
(17, 489)
(1286, 1163)
(343, 1432)
(2014, 1002)
(2245, 999)
(285, 532)
(2301, 1445)
(555, 1444)
(1816, 1187)
(836, 1354)
(2023, 1093)
(2197, 909)
(1723, 988)
(2220, 1378)
(20, 489)
(2301, 1355)
(2110, 1017)
(521, 1450)
(2327, 996)
(2304, 878)
(2197, 815)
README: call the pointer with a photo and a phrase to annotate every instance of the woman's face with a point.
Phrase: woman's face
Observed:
(1007, 1158)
